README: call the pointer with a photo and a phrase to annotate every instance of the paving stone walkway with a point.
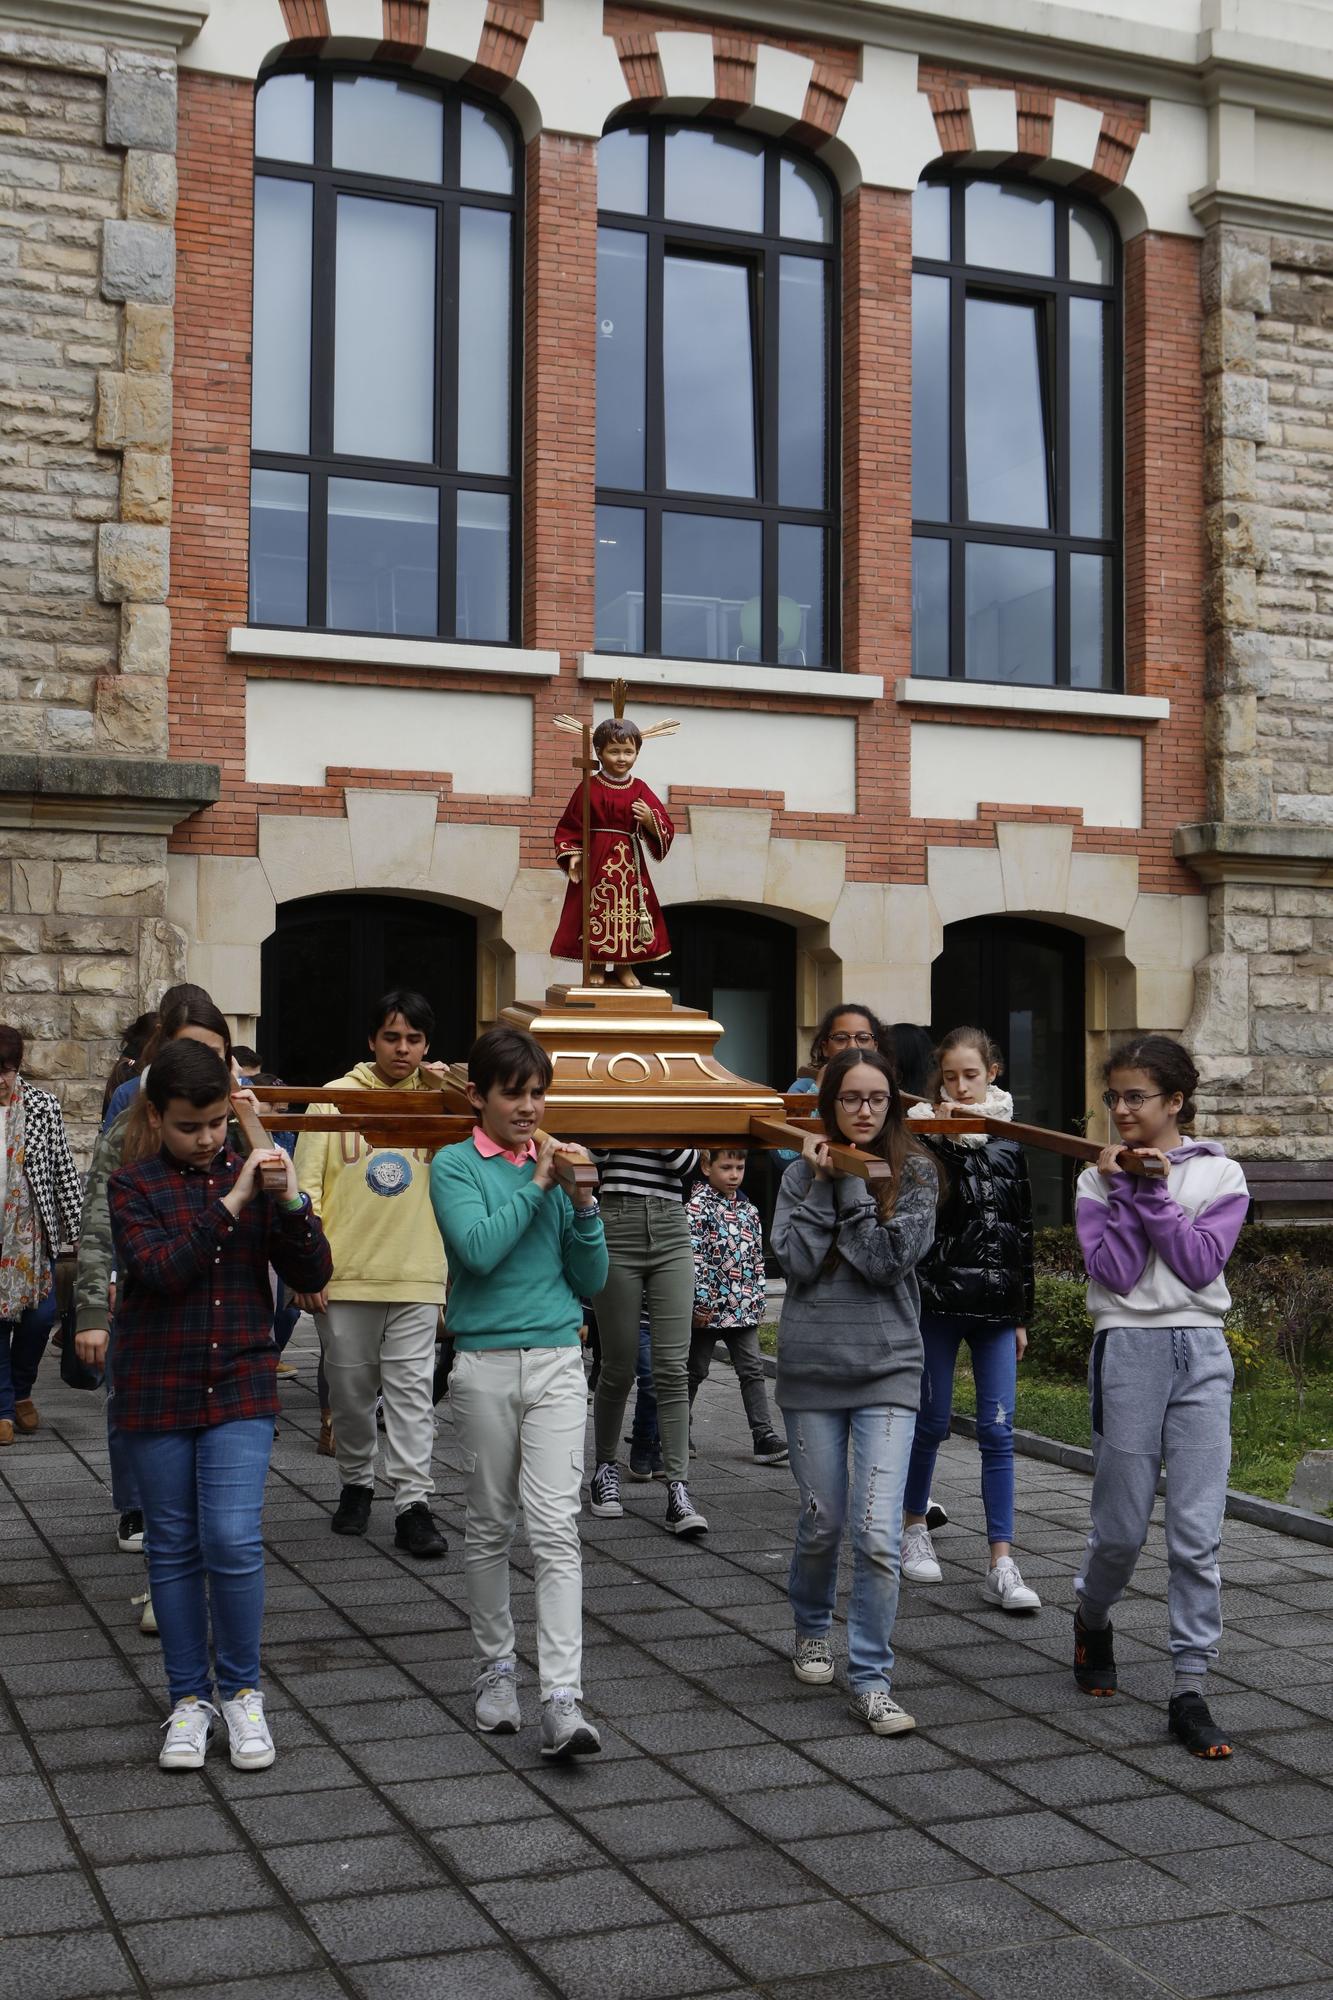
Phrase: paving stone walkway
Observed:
(738, 1835)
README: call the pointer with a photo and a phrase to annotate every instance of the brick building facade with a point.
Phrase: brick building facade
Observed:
(1078, 849)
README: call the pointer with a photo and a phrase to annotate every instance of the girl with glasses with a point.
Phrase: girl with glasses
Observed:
(1160, 1374)
(849, 1371)
(976, 1286)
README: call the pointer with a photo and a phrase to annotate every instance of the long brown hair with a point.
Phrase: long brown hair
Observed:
(894, 1142)
(195, 1011)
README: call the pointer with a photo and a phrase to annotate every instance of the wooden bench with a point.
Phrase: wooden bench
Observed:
(1290, 1190)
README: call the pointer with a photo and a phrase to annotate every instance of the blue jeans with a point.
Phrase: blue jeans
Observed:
(124, 1479)
(644, 1426)
(880, 1439)
(995, 1369)
(22, 1345)
(203, 1502)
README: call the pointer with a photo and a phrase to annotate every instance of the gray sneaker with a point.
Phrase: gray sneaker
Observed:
(565, 1731)
(812, 1660)
(881, 1713)
(496, 1708)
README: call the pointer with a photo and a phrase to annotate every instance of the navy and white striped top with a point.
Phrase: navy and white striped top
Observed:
(645, 1171)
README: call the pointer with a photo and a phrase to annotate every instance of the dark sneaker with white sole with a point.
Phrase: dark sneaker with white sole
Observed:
(604, 1492)
(682, 1516)
(645, 1460)
(770, 1449)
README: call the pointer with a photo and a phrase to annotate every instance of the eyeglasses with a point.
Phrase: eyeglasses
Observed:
(842, 1040)
(876, 1099)
(1133, 1100)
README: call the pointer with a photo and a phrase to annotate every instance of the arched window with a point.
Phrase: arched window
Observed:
(1015, 436)
(716, 317)
(383, 429)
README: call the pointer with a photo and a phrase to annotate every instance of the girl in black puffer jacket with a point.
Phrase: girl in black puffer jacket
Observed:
(976, 1285)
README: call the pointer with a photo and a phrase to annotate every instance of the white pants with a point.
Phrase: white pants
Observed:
(520, 1416)
(371, 1348)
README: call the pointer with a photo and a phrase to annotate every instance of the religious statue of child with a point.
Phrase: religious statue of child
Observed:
(627, 822)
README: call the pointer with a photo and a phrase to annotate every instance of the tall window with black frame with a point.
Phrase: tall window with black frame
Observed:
(716, 388)
(386, 292)
(1016, 482)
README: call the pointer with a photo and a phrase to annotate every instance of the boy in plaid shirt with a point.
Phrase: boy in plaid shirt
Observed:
(729, 1295)
(196, 1386)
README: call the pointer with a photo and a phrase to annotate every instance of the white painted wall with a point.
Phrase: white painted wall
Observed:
(295, 729)
(955, 767)
(812, 758)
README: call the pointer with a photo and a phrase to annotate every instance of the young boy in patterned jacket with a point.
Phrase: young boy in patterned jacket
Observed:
(728, 1243)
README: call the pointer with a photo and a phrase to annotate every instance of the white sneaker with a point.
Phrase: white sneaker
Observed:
(919, 1562)
(187, 1731)
(812, 1660)
(248, 1732)
(881, 1713)
(147, 1618)
(1005, 1588)
(495, 1705)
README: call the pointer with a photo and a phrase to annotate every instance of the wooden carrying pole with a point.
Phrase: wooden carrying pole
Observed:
(272, 1178)
(1070, 1144)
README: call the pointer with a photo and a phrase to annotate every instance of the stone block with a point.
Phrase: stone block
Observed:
(133, 563)
(96, 975)
(804, 878)
(1103, 888)
(731, 852)
(69, 729)
(1236, 406)
(183, 892)
(110, 889)
(145, 486)
(44, 1017)
(94, 1020)
(1164, 999)
(1230, 725)
(476, 866)
(1034, 863)
(150, 186)
(1286, 991)
(30, 974)
(233, 901)
(161, 958)
(32, 885)
(50, 1061)
(133, 410)
(145, 638)
(1220, 1022)
(1230, 341)
(139, 262)
(1290, 934)
(896, 992)
(230, 972)
(129, 847)
(19, 934)
(1239, 789)
(1230, 469)
(392, 835)
(140, 101)
(30, 844)
(132, 713)
(527, 925)
(964, 882)
(1238, 531)
(87, 934)
(305, 855)
(1237, 272)
(150, 339)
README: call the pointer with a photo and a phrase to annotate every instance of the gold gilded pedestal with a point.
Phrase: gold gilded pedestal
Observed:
(633, 1068)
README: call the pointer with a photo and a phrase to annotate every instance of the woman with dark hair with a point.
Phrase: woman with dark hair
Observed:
(849, 1025)
(39, 1213)
(125, 1069)
(912, 1053)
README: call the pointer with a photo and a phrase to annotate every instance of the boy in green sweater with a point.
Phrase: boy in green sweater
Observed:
(521, 1257)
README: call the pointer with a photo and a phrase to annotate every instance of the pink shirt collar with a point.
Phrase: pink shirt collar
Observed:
(488, 1149)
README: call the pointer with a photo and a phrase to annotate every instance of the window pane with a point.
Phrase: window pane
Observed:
(930, 398)
(930, 221)
(285, 119)
(383, 127)
(483, 340)
(1089, 459)
(280, 387)
(1090, 621)
(715, 177)
(622, 313)
(708, 376)
(279, 541)
(483, 566)
(800, 596)
(1006, 433)
(487, 151)
(802, 323)
(1010, 607)
(1090, 251)
(622, 172)
(710, 587)
(619, 627)
(383, 557)
(1010, 228)
(930, 608)
(384, 330)
(806, 202)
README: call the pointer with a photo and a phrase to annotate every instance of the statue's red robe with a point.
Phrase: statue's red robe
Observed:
(626, 925)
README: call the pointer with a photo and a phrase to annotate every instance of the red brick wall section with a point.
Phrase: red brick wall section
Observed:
(641, 64)
(842, 59)
(306, 21)
(405, 24)
(504, 37)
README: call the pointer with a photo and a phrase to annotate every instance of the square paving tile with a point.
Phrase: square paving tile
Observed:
(171, 1953)
(800, 1810)
(1216, 1955)
(1262, 1874)
(670, 1826)
(85, 1967)
(1024, 1840)
(478, 1975)
(364, 1928)
(660, 1963)
(1287, 1812)
(1055, 1971)
(139, 1891)
(594, 1899)
(942, 1917)
(811, 1938)
(322, 1869)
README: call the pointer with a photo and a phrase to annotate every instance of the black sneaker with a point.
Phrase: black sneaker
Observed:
(1094, 1659)
(935, 1516)
(645, 1460)
(682, 1516)
(604, 1492)
(1189, 1719)
(770, 1449)
(352, 1516)
(415, 1531)
(129, 1532)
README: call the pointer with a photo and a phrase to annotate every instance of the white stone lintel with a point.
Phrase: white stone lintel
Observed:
(1033, 700)
(731, 677)
(354, 649)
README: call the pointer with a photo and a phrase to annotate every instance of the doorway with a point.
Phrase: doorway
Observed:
(1023, 983)
(330, 958)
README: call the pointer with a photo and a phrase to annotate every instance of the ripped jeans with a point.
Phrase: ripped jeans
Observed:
(819, 1441)
(995, 1371)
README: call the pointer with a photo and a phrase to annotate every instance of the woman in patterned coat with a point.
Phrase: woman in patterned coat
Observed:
(40, 1199)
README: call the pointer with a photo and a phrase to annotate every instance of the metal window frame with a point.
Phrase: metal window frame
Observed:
(762, 252)
(1054, 293)
(442, 473)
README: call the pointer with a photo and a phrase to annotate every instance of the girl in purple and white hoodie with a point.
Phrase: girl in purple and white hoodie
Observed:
(1160, 1374)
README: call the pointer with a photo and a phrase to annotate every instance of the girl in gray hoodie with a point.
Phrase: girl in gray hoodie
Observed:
(849, 1371)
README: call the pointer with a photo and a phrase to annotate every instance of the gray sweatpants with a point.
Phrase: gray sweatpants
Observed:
(1161, 1395)
(370, 1349)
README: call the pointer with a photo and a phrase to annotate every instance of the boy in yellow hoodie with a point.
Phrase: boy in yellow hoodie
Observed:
(377, 1316)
